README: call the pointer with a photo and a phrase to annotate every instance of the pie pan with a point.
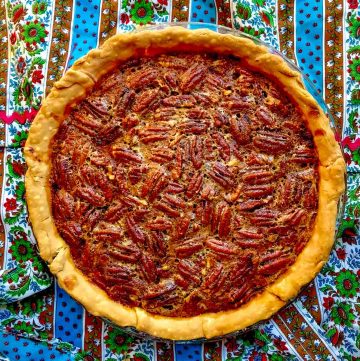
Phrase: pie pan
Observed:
(45, 179)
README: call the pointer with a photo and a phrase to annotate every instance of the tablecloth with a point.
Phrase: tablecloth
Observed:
(39, 40)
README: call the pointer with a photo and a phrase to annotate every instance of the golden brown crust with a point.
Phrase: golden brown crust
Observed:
(79, 81)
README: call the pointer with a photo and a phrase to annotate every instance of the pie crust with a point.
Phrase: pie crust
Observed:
(74, 87)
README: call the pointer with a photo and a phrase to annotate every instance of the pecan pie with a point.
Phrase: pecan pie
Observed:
(183, 182)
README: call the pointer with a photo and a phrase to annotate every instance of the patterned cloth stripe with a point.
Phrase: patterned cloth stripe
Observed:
(282, 324)
(92, 334)
(277, 321)
(318, 332)
(309, 39)
(304, 332)
(285, 18)
(351, 93)
(67, 310)
(4, 45)
(48, 48)
(333, 60)
(310, 300)
(4, 244)
(85, 28)
(59, 41)
(109, 19)
(345, 129)
(21, 349)
(164, 351)
(4, 90)
(2, 231)
(180, 10)
(203, 11)
(223, 13)
(189, 352)
(213, 351)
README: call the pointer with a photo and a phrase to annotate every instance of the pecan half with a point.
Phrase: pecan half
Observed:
(219, 247)
(146, 100)
(157, 243)
(181, 227)
(272, 143)
(223, 147)
(275, 265)
(213, 278)
(240, 130)
(142, 78)
(160, 290)
(263, 217)
(167, 209)
(71, 232)
(192, 78)
(92, 196)
(126, 99)
(161, 155)
(189, 247)
(179, 101)
(154, 183)
(148, 268)
(125, 156)
(154, 134)
(222, 175)
(134, 231)
(194, 185)
(159, 224)
(257, 191)
(107, 232)
(188, 270)
(258, 176)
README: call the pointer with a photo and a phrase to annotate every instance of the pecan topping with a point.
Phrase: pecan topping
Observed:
(184, 183)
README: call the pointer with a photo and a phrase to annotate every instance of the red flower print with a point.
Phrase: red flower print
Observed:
(18, 13)
(37, 76)
(347, 158)
(13, 38)
(163, 2)
(10, 204)
(328, 302)
(20, 67)
(341, 253)
(281, 345)
(337, 338)
(231, 345)
(18, 168)
(257, 356)
(124, 18)
(353, 4)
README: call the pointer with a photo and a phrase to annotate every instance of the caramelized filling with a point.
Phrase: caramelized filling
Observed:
(184, 184)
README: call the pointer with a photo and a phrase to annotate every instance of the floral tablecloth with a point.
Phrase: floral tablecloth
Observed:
(39, 40)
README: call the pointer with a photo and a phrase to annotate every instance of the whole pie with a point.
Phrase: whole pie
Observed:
(183, 182)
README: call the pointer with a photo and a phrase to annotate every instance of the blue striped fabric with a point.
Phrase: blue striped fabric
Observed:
(188, 352)
(84, 28)
(68, 318)
(203, 11)
(20, 349)
(309, 40)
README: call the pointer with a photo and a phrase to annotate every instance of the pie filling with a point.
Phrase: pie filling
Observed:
(184, 184)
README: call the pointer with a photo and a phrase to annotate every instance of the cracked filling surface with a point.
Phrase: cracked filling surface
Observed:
(184, 184)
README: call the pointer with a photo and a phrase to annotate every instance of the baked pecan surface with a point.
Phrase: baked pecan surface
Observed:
(184, 183)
